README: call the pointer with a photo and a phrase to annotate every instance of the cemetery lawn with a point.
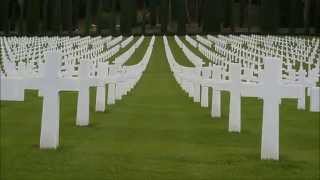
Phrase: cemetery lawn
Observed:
(155, 132)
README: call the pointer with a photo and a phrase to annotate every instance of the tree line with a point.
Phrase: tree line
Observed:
(57, 16)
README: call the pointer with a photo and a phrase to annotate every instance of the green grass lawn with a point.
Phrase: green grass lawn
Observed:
(122, 50)
(155, 132)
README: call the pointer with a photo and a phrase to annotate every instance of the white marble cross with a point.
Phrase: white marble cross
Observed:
(271, 90)
(83, 95)
(197, 86)
(11, 89)
(112, 86)
(233, 86)
(101, 88)
(49, 137)
(50, 85)
(216, 94)
(315, 99)
(205, 73)
(302, 80)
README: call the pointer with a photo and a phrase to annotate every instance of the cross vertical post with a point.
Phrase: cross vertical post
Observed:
(83, 95)
(49, 138)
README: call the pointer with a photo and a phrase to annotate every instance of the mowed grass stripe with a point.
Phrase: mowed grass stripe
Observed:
(122, 50)
(195, 50)
(139, 52)
(178, 54)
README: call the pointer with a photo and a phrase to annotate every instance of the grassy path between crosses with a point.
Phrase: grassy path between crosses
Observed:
(156, 132)
(196, 51)
(122, 50)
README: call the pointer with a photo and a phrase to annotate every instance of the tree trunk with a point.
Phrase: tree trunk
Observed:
(164, 15)
(88, 16)
(186, 7)
(317, 18)
(181, 17)
(67, 15)
(170, 11)
(269, 21)
(45, 16)
(4, 16)
(242, 12)
(33, 17)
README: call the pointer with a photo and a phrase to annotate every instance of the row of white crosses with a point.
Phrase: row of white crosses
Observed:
(261, 47)
(123, 58)
(251, 74)
(69, 59)
(194, 59)
(73, 51)
(127, 41)
(270, 89)
(24, 48)
(182, 74)
(69, 47)
(306, 77)
(114, 41)
(292, 52)
(224, 60)
(190, 40)
(249, 65)
(204, 41)
(192, 89)
(115, 90)
(51, 83)
(308, 80)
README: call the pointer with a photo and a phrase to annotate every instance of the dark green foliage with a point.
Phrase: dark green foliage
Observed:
(212, 15)
(312, 13)
(153, 13)
(14, 15)
(180, 15)
(54, 16)
(317, 18)
(58, 16)
(269, 21)
(164, 12)
(124, 17)
(45, 16)
(88, 16)
(133, 13)
(113, 15)
(75, 12)
(242, 12)
(127, 16)
(228, 13)
(33, 16)
(105, 20)
(4, 15)
(296, 14)
(101, 20)
(284, 15)
(107, 5)
(67, 15)
(21, 28)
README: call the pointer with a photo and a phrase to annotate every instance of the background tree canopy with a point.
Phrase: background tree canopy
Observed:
(157, 16)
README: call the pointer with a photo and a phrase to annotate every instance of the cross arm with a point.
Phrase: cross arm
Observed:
(32, 83)
(250, 89)
(68, 84)
(291, 91)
